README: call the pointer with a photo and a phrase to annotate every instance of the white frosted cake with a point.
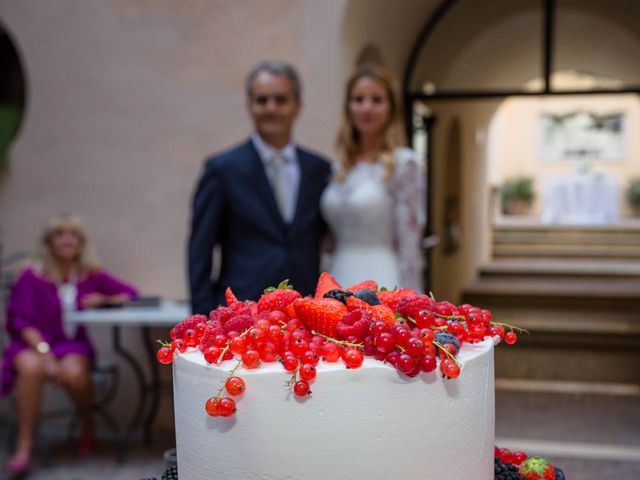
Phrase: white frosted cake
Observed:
(368, 423)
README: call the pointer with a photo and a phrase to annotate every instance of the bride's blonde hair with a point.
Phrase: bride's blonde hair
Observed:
(86, 260)
(348, 138)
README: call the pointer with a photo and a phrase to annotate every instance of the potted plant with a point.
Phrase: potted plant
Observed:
(633, 195)
(517, 195)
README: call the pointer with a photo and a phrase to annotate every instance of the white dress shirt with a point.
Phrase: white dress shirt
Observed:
(283, 172)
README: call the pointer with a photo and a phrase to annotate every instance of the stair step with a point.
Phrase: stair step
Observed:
(561, 268)
(567, 237)
(567, 251)
(591, 287)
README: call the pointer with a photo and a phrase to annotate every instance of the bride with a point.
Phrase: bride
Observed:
(375, 204)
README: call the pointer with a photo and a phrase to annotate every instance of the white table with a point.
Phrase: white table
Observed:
(166, 314)
(581, 199)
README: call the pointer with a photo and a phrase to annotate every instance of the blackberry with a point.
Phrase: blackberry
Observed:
(443, 338)
(505, 471)
(368, 296)
(340, 295)
(559, 474)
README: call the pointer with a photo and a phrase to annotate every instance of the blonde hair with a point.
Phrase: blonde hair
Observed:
(348, 141)
(85, 262)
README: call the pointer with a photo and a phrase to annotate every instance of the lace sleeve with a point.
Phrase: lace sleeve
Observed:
(408, 190)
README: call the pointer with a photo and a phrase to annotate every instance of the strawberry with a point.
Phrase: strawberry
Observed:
(537, 468)
(326, 283)
(321, 315)
(366, 285)
(391, 298)
(278, 298)
(410, 307)
(230, 297)
(378, 312)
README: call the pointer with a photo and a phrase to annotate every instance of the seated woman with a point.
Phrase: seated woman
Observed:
(64, 275)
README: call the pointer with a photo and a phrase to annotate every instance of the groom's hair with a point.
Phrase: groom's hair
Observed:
(275, 67)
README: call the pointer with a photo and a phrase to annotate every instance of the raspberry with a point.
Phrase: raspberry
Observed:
(188, 323)
(223, 314)
(209, 334)
(410, 307)
(238, 323)
(355, 323)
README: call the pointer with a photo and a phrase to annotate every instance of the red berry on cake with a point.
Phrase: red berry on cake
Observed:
(211, 406)
(391, 298)
(320, 315)
(411, 307)
(365, 285)
(165, 355)
(307, 372)
(301, 388)
(325, 284)
(235, 386)
(226, 407)
(230, 297)
(278, 298)
(352, 357)
(251, 359)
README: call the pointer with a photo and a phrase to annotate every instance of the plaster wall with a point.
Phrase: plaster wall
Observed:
(125, 99)
(518, 144)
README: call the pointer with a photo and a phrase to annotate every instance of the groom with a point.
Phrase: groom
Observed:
(259, 201)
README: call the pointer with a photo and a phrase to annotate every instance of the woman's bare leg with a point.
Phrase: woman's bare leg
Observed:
(30, 369)
(75, 376)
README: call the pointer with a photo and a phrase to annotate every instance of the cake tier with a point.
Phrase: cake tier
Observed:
(369, 423)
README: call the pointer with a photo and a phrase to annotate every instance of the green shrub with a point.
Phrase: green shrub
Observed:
(520, 188)
(633, 192)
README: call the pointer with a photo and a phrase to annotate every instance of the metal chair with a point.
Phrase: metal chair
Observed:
(105, 376)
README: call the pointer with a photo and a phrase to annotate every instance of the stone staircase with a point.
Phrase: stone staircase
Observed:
(570, 390)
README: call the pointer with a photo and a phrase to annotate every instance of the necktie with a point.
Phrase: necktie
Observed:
(281, 185)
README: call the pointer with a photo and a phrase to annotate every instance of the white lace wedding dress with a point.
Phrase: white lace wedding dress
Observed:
(377, 222)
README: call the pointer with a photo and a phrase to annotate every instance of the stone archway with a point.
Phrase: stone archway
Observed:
(12, 95)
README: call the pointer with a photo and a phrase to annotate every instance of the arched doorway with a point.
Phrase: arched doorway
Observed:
(12, 96)
(468, 58)
(488, 74)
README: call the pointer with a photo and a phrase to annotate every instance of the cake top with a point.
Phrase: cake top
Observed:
(410, 332)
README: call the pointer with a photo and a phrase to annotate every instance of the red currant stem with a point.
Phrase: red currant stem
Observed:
(449, 317)
(401, 348)
(339, 342)
(409, 319)
(442, 349)
(231, 373)
(163, 343)
(294, 376)
(443, 327)
(226, 347)
(432, 297)
(511, 327)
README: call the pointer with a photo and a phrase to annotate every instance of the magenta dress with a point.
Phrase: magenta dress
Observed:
(34, 302)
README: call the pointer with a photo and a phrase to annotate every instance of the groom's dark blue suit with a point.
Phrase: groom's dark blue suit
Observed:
(234, 207)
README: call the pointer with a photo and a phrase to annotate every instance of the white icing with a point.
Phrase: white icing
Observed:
(369, 423)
